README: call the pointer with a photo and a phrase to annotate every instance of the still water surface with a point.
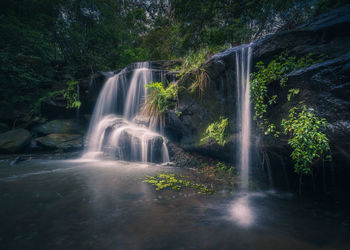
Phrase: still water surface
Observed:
(73, 204)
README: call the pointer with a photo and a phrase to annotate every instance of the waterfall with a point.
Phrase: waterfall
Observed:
(243, 64)
(112, 130)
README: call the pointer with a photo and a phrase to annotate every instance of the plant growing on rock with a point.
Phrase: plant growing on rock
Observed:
(218, 131)
(71, 94)
(307, 140)
(276, 71)
(192, 66)
(159, 99)
(177, 183)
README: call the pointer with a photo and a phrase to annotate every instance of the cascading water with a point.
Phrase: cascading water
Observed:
(118, 135)
(243, 64)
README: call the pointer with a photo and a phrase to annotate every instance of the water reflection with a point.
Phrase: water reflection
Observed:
(241, 212)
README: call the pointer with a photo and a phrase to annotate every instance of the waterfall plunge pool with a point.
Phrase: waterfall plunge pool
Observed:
(90, 204)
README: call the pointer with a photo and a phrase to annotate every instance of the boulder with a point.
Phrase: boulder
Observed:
(64, 126)
(141, 120)
(55, 107)
(65, 142)
(133, 142)
(3, 127)
(14, 141)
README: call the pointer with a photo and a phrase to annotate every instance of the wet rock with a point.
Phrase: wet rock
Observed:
(324, 87)
(65, 142)
(134, 142)
(55, 107)
(14, 141)
(64, 126)
(3, 127)
(141, 120)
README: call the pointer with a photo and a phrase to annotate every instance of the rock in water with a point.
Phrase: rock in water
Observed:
(14, 141)
(65, 142)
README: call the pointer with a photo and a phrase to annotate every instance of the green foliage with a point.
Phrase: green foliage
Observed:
(71, 95)
(217, 130)
(176, 182)
(307, 140)
(159, 99)
(292, 92)
(49, 41)
(275, 72)
(223, 167)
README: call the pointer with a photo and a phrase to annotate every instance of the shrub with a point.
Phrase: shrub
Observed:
(218, 131)
(276, 71)
(307, 140)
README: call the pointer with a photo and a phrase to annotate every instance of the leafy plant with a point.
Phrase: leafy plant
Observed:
(71, 95)
(218, 131)
(225, 168)
(276, 71)
(307, 140)
(176, 182)
(292, 92)
(159, 99)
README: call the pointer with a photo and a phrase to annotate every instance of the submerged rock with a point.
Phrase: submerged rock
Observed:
(14, 141)
(65, 142)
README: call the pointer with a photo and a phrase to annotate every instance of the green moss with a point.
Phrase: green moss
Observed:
(176, 182)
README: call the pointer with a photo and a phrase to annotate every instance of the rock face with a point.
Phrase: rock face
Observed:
(55, 107)
(64, 126)
(14, 141)
(324, 87)
(65, 142)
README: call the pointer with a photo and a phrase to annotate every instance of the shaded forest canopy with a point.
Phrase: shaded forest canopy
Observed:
(46, 43)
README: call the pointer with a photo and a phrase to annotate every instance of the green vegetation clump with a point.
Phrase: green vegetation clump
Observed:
(225, 168)
(217, 130)
(159, 99)
(276, 71)
(304, 128)
(307, 140)
(176, 182)
(193, 66)
(71, 95)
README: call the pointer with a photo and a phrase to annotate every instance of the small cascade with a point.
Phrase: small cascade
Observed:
(112, 130)
(243, 64)
(137, 90)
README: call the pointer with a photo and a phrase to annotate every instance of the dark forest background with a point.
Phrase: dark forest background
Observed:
(45, 43)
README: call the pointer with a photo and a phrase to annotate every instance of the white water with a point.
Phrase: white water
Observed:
(243, 64)
(118, 135)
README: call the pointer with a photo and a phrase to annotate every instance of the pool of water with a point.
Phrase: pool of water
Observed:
(73, 204)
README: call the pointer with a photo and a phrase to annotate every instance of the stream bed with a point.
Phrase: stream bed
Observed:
(75, 204)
